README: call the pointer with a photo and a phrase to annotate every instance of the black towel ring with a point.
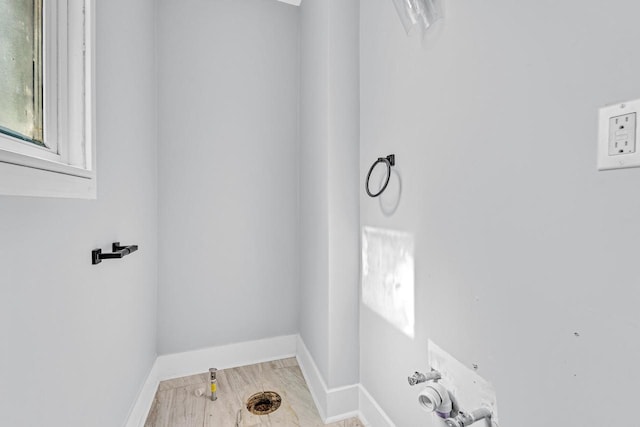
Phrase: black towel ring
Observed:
(390, 160)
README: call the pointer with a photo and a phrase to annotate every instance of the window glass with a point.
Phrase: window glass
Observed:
(21, 69)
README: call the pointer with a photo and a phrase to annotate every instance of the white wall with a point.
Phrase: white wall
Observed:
(343, 177)
(520, 241)
(314, 191)
(228, 210)
(78, 340)
(329, 186)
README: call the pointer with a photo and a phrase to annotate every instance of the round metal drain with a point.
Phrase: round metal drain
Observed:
(264, 403)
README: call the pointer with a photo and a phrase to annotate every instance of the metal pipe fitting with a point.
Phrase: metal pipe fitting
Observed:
(436, 398)
(214, 383)
(466, 419)
(419, 377)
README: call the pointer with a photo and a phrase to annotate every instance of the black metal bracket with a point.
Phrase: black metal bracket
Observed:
(118, 252)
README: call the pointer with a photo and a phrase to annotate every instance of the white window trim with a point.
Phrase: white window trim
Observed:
(67, 167)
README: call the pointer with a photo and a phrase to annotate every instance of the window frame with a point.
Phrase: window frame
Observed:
(66, 167)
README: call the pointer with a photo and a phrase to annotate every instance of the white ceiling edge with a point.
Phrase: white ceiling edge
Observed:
(293, 2)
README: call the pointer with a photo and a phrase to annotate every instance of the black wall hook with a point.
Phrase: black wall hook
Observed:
(390, 160)
(118, 252)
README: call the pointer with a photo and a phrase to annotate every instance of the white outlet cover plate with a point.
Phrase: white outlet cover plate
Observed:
(605, 160)
(470, 389)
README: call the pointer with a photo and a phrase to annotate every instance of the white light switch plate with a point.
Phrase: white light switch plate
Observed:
(618, 136)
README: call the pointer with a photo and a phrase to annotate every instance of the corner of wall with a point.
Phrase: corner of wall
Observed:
(370, 413)
(333, 404)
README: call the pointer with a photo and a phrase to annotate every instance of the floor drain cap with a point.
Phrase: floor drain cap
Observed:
(264, 403)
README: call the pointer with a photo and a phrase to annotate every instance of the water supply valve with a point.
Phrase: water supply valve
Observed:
(464, 419)
(418, 377)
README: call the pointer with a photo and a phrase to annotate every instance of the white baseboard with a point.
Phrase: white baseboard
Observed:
(140, 409)
(293, 2)
(178, 365)
(194, 362)
(334, 404)
(371, 414)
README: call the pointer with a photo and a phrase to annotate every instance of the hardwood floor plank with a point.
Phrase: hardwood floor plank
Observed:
(188, 408)
(184, 402)
(296, 398)
(353, 422)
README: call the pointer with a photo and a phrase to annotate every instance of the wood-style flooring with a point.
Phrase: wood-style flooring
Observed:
(184, 402)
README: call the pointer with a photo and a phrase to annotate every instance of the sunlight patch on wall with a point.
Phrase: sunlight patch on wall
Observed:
(388, 276)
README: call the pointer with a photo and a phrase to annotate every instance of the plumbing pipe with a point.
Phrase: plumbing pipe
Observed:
(436, 398)
(214, 383)
(466, 419)
(419, 377)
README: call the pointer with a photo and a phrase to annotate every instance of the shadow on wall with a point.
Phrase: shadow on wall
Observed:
(390, 199)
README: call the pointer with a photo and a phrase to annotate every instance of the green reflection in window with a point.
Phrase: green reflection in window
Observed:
(21, 67)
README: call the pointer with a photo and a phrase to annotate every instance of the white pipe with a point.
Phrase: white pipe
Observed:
(435, 398)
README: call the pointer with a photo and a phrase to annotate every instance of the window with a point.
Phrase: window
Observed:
(21, 69)
(46, 98)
